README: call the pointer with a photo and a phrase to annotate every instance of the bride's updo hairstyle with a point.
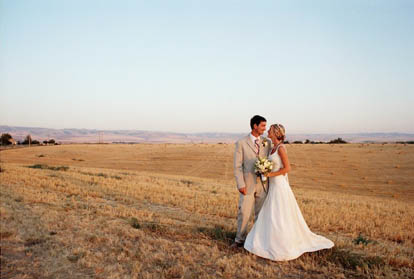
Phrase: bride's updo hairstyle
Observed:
(279, 131)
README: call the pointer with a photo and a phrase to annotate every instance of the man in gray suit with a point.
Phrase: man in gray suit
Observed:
(252, 194)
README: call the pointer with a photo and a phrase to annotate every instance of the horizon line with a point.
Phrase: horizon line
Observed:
(215, 132)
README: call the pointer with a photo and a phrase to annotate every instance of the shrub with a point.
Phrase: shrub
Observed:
(406, 142)
(338, 140)
(5, 139)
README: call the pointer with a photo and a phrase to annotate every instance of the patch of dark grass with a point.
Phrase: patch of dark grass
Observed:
(37, 166)
(41, 155)
(362, 239)
(80, 160)
(46, 167)
(218, 233)
(116, 177)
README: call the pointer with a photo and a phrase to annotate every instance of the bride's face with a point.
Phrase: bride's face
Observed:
(270, 133)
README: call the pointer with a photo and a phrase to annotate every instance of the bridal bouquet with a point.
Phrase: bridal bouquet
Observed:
(263, 166)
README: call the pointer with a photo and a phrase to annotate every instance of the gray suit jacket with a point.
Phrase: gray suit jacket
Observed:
(244, 160)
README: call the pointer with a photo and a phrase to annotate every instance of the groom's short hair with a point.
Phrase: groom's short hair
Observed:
(257, 119)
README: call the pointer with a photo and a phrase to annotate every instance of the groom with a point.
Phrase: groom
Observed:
(252, 194)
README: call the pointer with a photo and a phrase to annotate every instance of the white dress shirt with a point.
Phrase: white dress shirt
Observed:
(253, 138)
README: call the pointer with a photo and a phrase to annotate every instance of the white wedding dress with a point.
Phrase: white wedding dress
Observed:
(280, 232)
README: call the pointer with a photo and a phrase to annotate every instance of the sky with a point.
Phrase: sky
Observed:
(208, 66)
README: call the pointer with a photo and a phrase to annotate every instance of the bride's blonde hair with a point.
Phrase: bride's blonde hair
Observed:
(279, 131)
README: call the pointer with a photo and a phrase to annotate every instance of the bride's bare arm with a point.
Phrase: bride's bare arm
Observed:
(285, 160)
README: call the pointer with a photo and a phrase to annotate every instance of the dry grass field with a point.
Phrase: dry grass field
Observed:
(169, 211)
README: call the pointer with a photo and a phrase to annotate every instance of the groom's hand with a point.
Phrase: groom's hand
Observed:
(243, 190)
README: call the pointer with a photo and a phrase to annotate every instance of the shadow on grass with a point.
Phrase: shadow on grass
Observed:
(354, 264)
(347, 259)
(218, 233)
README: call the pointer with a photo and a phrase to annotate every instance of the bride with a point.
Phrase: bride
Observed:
(280, 232)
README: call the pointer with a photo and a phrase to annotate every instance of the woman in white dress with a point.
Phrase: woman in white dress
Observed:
(280, 232)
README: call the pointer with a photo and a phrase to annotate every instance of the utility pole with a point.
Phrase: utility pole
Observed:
(100, 137)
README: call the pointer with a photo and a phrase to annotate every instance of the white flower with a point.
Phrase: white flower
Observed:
(263, 166)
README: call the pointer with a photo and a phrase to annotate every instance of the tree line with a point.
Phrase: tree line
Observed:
(7, 139)
(307, 141)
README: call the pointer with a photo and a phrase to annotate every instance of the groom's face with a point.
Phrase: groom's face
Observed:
(261, 128)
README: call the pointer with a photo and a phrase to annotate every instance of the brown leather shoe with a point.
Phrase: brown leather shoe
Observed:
(235, 245)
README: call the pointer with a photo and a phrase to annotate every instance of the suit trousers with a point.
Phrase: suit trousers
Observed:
(247, 204)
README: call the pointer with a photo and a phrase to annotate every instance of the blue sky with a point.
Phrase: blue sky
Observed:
(208, 66)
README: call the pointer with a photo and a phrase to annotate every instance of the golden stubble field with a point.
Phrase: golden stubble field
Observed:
(169, 211)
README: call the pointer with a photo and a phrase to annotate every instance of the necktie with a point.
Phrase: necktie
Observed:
(256, 143)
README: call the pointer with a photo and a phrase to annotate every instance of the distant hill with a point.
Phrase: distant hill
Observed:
(126, 136)
(355, 137)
